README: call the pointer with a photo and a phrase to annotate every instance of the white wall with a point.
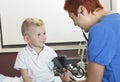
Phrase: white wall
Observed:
(106, 4)
(59, 26)
(114, 5)
(118, 6)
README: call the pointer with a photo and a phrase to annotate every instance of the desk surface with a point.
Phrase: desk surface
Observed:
(65, 47)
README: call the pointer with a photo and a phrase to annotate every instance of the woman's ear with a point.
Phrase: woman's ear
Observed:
(82, 10)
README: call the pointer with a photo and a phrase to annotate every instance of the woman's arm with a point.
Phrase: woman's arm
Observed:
(25, 75)
(94, 73)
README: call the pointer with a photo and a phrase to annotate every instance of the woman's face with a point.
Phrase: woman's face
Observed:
(82, 20)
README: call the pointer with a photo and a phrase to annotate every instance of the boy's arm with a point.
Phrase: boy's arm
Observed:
(25, 75)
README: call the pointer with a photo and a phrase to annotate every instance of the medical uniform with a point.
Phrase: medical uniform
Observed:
(104, 46)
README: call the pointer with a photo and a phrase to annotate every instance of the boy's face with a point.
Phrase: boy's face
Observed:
(36, 36)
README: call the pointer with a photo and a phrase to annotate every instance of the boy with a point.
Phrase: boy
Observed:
(34, 61)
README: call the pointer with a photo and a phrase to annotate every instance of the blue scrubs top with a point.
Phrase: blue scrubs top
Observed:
(104, 46)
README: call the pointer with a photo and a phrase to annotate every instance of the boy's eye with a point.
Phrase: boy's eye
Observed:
(44, 33)
(38, 34)
(41, 34)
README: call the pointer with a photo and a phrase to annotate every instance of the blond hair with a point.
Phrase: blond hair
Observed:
(30, 22)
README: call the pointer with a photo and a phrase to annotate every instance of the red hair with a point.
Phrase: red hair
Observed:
(90, 5)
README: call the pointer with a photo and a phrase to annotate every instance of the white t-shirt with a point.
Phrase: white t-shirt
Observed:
(40, 67)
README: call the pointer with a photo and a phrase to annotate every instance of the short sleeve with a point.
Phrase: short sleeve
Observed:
(101, 48)
(52, 53)
(20, 61)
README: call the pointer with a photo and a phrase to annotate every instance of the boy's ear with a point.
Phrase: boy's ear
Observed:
(25, 37)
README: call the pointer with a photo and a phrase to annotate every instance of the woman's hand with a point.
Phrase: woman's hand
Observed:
(67, 76)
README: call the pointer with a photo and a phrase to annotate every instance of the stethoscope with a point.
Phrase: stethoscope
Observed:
(84, 35)
(81, 65)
